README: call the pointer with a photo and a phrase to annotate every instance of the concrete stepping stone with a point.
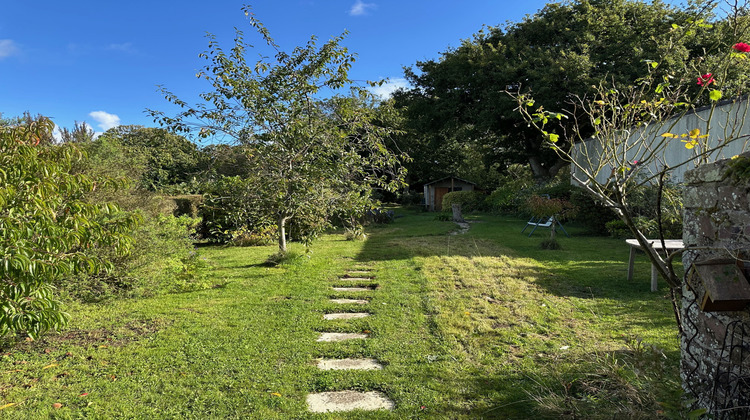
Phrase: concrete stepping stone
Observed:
(330, 337)
(349, 364)
(356, 278)
(347, 401)
(346, 315)
(354, 289)
(359, 271)
(348, 301)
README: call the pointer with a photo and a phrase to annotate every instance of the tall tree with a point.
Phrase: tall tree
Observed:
(81, 133)
(312, 150)
(170, 159)
(562, 51)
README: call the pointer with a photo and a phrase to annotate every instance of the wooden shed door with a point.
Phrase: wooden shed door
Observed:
(439, 193)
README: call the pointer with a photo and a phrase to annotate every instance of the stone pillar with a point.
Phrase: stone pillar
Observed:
(715, 347)
(457, 216)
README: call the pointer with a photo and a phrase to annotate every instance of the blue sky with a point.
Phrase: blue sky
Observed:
(101, 62)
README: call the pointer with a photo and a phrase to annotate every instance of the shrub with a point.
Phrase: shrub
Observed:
(48, 226)
(593, 215)
(164, 260)
(469, 200)
(257, 237)
(226, 212)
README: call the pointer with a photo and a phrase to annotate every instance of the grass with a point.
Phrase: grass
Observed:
(481, 325)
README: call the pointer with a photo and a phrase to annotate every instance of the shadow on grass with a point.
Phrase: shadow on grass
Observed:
(614, 384)
(585, 267)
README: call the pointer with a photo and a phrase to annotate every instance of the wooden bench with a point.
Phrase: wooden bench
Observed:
(671, 245)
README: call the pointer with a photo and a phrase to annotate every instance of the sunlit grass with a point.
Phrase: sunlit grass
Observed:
(481, 325)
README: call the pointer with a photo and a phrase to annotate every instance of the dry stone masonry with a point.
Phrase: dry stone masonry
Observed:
(715, 347)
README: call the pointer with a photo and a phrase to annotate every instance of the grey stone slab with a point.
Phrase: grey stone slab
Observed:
(329, 337)
(346, 315)
(349, 364)
(359, 271)
(348, 401)
(356, 278)
(348, 301)
(353, 289)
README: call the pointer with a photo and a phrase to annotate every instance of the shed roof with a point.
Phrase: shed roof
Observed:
(449, 177)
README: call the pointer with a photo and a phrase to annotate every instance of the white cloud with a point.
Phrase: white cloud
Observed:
(391, 85)
(105, 119)
(360, 8)
(124, 47)
(7, 48)
(56, 134)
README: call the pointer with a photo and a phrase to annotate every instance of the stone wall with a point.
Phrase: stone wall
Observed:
(715, 354)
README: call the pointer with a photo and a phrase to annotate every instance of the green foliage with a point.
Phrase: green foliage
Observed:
(443, 217)
(260, 235)
(356, 233)
(48, 227)
(519, 185)
(308, 159)
(168, 160)
(738, 169)
(230, 210)
(162, 258)
(545, 207)
(490, 299)
(459, 107)
(469, 200)
(593, 214)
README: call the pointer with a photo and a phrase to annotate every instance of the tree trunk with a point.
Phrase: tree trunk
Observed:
(553, 229)
(281, 224)
(542, 172)
(539, 171)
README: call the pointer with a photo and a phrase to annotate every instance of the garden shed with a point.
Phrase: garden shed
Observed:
(435, 190)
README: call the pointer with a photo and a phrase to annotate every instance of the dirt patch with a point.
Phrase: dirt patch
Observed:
(111, 337)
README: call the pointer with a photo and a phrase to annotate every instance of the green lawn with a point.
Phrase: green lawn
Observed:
(481, 325)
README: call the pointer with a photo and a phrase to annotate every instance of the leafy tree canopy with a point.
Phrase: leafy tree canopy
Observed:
(169, 158)
(460, 103)
(312, 151)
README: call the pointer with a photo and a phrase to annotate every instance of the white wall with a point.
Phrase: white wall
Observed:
(728, 121)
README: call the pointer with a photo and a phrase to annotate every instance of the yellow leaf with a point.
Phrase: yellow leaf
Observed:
(695, 132)
(669, 135)
(49, 366)
(3, 407)
(275, 394)
(690, 144)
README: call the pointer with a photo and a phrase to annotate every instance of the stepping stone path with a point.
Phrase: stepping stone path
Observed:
(349, 364)
(353, 289)
(346, 315)
(340, 336)
(348, 400)
(323, 402)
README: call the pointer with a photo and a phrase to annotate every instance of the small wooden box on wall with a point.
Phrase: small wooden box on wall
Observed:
(725, 284)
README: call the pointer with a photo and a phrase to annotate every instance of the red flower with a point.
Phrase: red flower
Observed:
(706, 79)
(741, 47)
